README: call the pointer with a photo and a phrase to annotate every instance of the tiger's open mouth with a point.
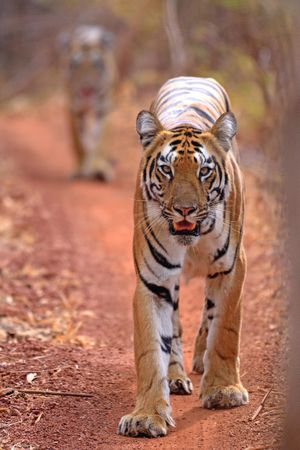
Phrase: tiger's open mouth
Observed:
(184, 227)
(87, 91)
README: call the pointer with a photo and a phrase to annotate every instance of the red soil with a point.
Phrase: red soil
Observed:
(67, 283)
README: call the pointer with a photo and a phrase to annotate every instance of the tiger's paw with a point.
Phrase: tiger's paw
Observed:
(149, 425)
(224, 396)
(102, 175)
(180, 385)
(198, 365)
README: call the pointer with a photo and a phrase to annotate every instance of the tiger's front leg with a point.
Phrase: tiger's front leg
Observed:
(96, 164)
(178, 380)
(221, 386)
(153, 331)
(76, 122)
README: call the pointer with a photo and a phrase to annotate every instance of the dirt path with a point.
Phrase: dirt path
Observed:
(73, 270)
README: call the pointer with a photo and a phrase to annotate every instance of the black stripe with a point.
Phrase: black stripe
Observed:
(149, 267)
(145, 169)
(212, 226)
(226, 101)
(153, 234)
(176, 92)
(218, 88)
(166, 344)
(212, 84)
(222, 251)
(159, 258)
(154, 185)
(149, 197)
(160, 291)
(220, 173)
(177, 131)
(181, 108)
(227, 272)
(217, 190)
(203, 114)
(176, 142)
(152, 165)
(224, 212)
(147, 138)
(226, 178)
(203, 81)
(212, 181)
(196, 144)
(209, 304)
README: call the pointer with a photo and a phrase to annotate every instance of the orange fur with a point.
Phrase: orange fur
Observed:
(187, 173)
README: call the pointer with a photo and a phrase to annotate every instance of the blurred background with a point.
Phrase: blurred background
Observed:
(242, 44)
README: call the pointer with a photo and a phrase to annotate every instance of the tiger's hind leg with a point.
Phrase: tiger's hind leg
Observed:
(178, 380)
(200, 343)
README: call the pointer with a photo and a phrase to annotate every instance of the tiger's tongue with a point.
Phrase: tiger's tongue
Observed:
(184, 225)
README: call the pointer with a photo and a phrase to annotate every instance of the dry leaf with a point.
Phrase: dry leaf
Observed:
(30, 377)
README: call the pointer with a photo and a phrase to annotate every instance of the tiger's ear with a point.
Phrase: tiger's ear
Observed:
(225, 129)
(147, 126)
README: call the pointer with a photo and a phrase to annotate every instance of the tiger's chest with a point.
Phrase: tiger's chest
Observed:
(213, 253)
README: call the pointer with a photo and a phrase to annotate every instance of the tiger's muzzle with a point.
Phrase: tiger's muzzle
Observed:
(184, 228)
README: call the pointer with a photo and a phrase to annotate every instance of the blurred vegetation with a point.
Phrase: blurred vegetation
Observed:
(244, 45)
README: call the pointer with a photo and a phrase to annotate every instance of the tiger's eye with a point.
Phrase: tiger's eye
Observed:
(166, 169)
(204, 171)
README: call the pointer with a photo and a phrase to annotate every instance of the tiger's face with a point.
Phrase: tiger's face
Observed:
(185, 174)
(88, 55)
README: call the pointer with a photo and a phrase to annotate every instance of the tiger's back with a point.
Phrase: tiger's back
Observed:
(191, 101)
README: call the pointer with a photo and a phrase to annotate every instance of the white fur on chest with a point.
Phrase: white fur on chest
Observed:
(200, 259)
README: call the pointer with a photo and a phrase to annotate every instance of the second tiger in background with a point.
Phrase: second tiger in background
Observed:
(90, 81)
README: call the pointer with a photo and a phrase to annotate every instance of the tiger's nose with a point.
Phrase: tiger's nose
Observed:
(184, 210)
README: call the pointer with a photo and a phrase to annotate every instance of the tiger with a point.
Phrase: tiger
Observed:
(188, 217)
(90, 81)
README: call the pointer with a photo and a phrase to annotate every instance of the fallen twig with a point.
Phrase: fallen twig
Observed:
(264, 447)
(258, 410)
(39, 392)
(274, 412)
(38, 418)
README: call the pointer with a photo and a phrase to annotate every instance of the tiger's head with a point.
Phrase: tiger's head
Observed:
(89, 52)
(184, 174)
